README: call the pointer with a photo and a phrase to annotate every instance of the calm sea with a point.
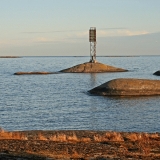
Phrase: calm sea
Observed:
(61, 101)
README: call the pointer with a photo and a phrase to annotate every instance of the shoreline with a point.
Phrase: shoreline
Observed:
(79, 144)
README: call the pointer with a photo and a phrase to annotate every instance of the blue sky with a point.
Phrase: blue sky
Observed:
(60, 27)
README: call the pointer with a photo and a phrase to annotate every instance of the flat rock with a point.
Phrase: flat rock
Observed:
(128, 87)
(157, 73)
(23, 73)
(92, 68)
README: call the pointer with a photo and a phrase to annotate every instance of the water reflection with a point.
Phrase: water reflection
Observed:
(93, 121)
(123, 113)
(132, 101)
(93, 79)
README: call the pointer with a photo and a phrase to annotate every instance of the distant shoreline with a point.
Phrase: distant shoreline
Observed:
(10, 57)
(81, 56)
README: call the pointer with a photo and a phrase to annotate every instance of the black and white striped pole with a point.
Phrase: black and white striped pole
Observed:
(92, 40)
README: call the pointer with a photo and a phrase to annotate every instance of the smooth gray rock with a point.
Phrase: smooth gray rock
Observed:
(128, 87)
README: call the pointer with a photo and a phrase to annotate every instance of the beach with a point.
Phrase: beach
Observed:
(87, 145)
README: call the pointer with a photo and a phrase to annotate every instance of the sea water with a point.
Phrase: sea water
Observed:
(61, 101)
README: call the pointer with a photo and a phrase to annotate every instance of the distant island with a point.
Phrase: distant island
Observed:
(108, 56)
(119, 56)
(10, 57)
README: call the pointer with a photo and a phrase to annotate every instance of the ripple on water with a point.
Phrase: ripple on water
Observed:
(61, 101)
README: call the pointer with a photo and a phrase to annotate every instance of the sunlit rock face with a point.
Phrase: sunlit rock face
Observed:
(92, 68)
(128, 87)
(157, 73)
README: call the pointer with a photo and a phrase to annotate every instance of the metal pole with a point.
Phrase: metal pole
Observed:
(92, 39)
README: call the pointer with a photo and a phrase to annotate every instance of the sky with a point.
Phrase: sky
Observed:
(61, 27)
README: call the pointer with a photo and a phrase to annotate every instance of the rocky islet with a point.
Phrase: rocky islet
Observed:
(89, 67)
(128, 87)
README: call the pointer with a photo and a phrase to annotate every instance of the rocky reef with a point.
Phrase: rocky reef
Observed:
(128, 87)
(89, 67)
(79, 145)
(39, 72)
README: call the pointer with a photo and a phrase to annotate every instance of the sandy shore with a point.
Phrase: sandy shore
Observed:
(87, 145)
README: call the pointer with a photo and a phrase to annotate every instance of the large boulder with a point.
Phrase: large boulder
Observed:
(157, 73)
(89, 67)
(128, 87)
